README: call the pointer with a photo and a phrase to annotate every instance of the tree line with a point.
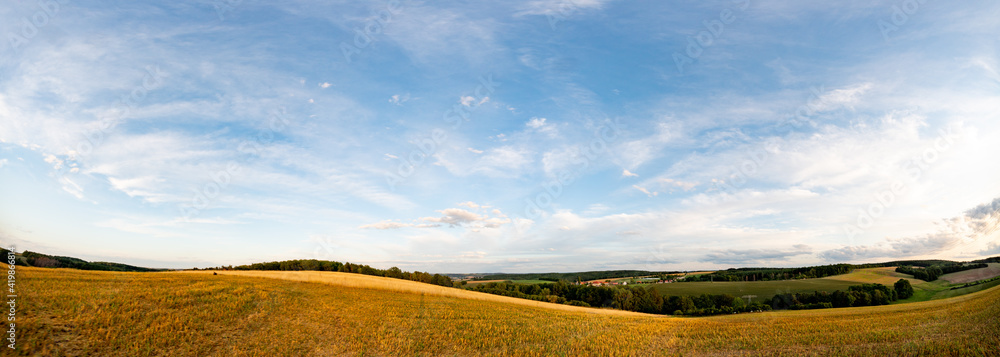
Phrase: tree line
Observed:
(988, 260)
(857, 295)
(578, 276)
(630, 298)
(326, 265)
(768, 274)
(53, 261)
(934, 268)
(648, 300)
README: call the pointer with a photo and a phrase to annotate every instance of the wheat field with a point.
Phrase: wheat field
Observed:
(350, 280)
(84, 313)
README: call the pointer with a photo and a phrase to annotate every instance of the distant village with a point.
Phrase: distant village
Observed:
(633, 281)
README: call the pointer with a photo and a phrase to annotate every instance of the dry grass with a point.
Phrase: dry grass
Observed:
(405, 286)
(70, 312)
(700, 272)
(885, 276)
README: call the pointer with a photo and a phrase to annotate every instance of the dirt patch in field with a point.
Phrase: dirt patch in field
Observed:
(969, 276)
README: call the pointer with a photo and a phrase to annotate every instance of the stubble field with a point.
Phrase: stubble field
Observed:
(71, 312)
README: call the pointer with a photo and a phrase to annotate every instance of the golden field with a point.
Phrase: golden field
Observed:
(350, 280)
(70, 312)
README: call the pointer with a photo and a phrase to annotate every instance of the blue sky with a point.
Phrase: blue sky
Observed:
(512, 136)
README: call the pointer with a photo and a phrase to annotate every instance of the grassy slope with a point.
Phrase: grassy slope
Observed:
(923, 290)
(885, 276)
(69, 312)
(969, 276)
(762, 289)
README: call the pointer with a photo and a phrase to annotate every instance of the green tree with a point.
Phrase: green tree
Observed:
(394, 272)
(842, 299)
(861, 298)
(739, 304)
(624, 299)
(685, 304)
(903, 289)
(443, 280)
(879, 298)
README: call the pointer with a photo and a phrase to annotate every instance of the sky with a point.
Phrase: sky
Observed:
(513, 136)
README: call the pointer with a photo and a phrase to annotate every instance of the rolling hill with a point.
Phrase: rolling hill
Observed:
(74, 312)
(886, 276)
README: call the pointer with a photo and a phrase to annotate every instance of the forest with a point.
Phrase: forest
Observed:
(630, 298)
(648, 300)
(858, 295)
(51, 261)
(768, 274)
(933, 269)
(326, 265)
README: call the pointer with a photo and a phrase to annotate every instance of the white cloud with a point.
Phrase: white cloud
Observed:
(475, 151)
(442, 36)
(455, 217)
(627, 173)
(840, 98)
(477, 217)
(470, 101)
(505, 157)
(56, 162)
(644, 190)
(559, 7)
(542, 126)
(325, 85)
(596, 209)
(396, 99)
(536, 123)
(504, 161)
(386, 225)
(683, 185)
(633, 154)
(473, 255)
(137, 186)
(756, 257)
(469, 204)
